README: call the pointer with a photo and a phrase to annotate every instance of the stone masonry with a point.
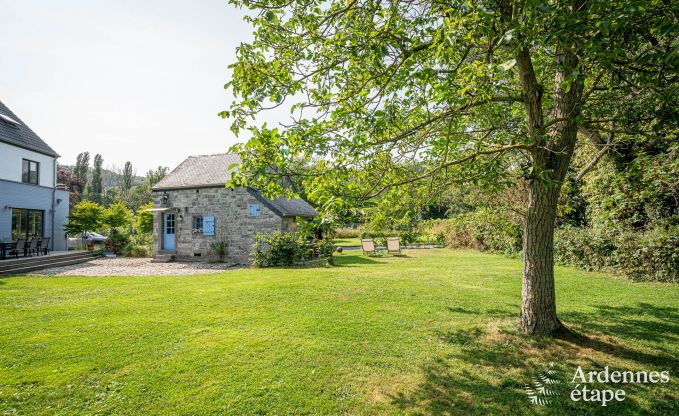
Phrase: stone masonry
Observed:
(233, 224)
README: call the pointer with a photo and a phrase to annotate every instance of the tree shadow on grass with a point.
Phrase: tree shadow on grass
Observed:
(485, 369)
(354, 260)
(643, 321)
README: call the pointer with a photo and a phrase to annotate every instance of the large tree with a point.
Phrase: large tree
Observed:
(82, 165)
(128, 179)
(387, 93)
(95, 188)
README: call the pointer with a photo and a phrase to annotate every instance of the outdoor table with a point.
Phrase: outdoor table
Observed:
(4, 247)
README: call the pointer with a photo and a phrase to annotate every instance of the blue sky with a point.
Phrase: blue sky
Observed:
(133, 80)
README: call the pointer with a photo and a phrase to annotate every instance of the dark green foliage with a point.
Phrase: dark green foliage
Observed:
(326, 248)
(286, 249)
(117, 243)
(95, 188)
(278, 249)
(80, 171)
(219, 249)
(154, 176)
(128, 177)
(408, 237)
(650, 255)
(483, 230)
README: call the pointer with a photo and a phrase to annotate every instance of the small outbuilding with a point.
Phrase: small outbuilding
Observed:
(193, 208)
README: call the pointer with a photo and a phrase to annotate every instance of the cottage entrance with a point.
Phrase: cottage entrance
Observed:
(168, 231)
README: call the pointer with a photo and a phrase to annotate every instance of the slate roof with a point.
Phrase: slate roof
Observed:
(21, 135)
(215, 171)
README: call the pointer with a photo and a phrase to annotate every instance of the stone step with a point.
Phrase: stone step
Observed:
(163, 258)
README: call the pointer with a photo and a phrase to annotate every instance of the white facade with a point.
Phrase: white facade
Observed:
(11, 160)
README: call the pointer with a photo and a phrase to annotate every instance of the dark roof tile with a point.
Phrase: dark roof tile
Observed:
(21, 135)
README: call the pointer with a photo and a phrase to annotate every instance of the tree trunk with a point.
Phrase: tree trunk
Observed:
(538, 307)
(551, 156)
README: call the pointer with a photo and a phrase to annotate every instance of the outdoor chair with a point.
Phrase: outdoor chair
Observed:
(393, 245)
(19, 246)
(368, 246)
(38, 247)
(32, 246)
(45, 245)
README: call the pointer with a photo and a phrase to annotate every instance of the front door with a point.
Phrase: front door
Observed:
(168, 231)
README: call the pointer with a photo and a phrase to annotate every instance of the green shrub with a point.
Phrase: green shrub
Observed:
(326, 248)
(408, 237)
(219, 249)
(649, 255)
(483, 230)
(653, 256)
(279, 249)
(136, 250)
(347, 232)
(117, 242)
(287, 249)
(585, 248)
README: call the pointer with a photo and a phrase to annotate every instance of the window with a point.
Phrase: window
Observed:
(29, 171)
(254, 210)
(27, 223)
(208, 225)
(197, 224)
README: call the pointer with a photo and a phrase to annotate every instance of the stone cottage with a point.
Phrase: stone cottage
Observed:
(193, 209)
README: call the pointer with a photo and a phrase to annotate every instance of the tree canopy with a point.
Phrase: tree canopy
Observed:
(384, 94)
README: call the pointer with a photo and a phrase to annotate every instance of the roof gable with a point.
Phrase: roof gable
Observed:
(215, 171)
(15, 132)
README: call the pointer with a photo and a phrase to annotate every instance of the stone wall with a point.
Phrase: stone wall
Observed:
(233, 223)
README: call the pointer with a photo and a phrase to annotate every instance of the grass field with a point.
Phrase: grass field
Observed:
(430, 333)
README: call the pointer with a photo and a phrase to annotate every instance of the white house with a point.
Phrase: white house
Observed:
(30, 202)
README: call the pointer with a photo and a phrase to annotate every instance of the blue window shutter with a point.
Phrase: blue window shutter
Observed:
(254, 210)
(208, 225)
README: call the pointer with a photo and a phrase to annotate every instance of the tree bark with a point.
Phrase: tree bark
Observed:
(551, 155)
(538, 304)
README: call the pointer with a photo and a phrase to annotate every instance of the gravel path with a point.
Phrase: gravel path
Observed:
(123, 266)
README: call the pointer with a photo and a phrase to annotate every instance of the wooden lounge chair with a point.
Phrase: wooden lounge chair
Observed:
(393, 245)
(368, 247)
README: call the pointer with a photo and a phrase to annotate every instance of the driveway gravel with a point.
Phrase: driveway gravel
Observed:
(124, 266)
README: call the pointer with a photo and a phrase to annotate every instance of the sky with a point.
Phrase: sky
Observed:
(133, 80)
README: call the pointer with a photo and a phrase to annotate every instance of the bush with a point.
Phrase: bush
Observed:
(346, 232)
(117, 242)
(136, 250)
(408, 237)
(278, 249)
(650, 255)
(219, 249)
(482, 230)
(287, 249)
(326, 249)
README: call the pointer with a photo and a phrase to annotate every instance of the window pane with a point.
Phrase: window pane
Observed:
(35, 223)
(18, 223)
(25, 170)
(34, 172)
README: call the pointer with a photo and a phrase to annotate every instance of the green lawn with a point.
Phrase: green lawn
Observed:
(430, 333)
